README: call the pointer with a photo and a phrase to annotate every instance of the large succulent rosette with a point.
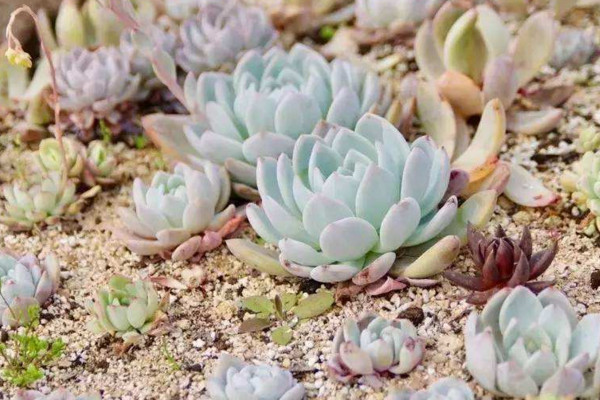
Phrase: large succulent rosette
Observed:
(527, 345)
(25, 282)
(185, 212)
(234, 379)
(372, 346)
(220, 32)
(262, 108)
(347, 200)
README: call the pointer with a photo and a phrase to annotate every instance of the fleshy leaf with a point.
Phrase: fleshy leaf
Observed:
(314, 305)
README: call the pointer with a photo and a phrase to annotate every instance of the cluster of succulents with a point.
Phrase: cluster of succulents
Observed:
(180, 214)
(59, 394)
(370, 346)
(262, 108)
(220, 32)
(127, 309)
(234, 379)
(503, 262)
(46, 201)
(445, 388)
(25, 282)
(347, 201)
(527, 345)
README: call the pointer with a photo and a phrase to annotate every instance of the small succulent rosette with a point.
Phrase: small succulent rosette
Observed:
(220, 33)
(372, 346)
(347, 201)
(503, 262)
(527, 345)
(582, 182)
(94, 85)
(99, 164)
(180, 215)
(49, 157)
(59, 394)
(25, 282)
(443, 389)
(262, 108)
(233, 379)
(44, 202)
(127, 309)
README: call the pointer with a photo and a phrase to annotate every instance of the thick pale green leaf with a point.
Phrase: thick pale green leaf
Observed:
(427, 55)
(281, 335)
(314, 305)
(254, 325)
(289, 300)
(258, 304)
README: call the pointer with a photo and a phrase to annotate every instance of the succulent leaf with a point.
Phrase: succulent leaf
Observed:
(59, 394)
(443, 389)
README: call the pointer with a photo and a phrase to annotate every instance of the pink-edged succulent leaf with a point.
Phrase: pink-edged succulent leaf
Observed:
(500, 81)
(480, 157)
(497, 181)
(551, 95)
(376, 270)
(384, 286)
(436, 116)
(526, 190)
(167, 133)
(534, 122)
(166, 70)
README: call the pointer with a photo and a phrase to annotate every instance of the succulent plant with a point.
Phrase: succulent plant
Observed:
(588, 140)
(220, 32)
(347, 201)
(139, 53)
(59, 394)
(465, 58)
(573, 48)
(180, 10)
(185, 212)
(46, 201)
(49, 157)
(93, 85)
(372, 345)
(100, 164)
(234, 379)
(527, 345)
(262, 108)
(581, 182)
(126, 309)
(25, 282)
(503, 262)
(443, 389)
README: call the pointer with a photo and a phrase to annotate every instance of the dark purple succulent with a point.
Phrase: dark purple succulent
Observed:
(503, 262)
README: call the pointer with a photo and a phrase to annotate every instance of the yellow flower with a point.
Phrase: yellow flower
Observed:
(19, 57)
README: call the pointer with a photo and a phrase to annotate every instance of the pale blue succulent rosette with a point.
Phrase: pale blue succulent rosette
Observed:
(366, 348)
(527, 345)
(443, 389)
(262, 108)
(25, 282)
(348, 200)
(234, 379)
(219, 33)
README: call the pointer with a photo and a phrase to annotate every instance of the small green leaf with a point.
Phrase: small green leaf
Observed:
(327, 32)
(254, 325)
(281, 335)
(258, 304)
(105, 132)
(289, 300)
(314, 305)
(140, 141)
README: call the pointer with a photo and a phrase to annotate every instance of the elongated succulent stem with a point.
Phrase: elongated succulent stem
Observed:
(15, 44)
